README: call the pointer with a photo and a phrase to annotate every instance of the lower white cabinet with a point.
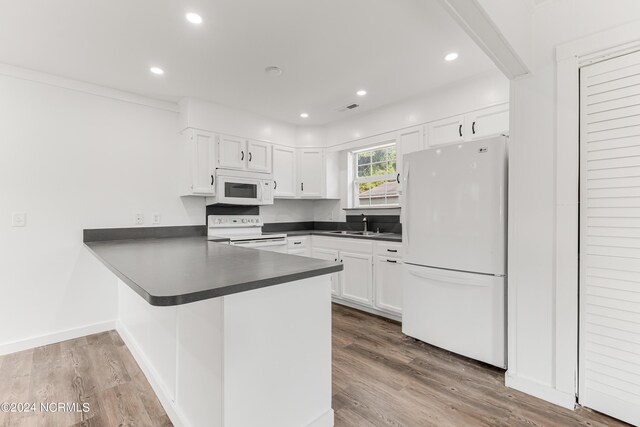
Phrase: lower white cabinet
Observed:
(388, 271)
(371, 278)
(329, 255)
(357, 277)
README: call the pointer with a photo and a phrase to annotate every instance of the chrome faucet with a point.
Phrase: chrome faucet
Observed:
(365, 221)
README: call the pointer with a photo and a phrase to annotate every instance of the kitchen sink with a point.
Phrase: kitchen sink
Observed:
(359, 233)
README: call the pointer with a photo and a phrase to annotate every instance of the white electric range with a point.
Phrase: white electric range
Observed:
(245, 231)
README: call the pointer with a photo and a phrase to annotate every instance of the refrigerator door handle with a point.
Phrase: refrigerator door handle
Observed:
(452, 279)
(404, 211)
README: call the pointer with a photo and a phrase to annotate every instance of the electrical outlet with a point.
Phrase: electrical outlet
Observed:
(19, 219)
(155, 218)
(139, 219)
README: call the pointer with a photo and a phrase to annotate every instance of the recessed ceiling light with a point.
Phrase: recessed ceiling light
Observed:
(194, 18)
(157, 71)
(273, 71)
(304, 115)
(361, 92)
(451, 56)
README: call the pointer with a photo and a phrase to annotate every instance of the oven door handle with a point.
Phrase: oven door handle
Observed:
(261, 243)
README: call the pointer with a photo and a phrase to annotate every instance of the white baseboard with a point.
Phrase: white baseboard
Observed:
(56, 337)
(164, 397)
(337, 300)
(541, 391)
(324, 420)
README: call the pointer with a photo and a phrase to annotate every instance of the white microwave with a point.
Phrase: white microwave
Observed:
(242, 188)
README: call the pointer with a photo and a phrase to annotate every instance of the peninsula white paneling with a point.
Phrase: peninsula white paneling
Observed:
(73, 160)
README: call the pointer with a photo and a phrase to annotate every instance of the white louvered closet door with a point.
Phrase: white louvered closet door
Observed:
(609, 379)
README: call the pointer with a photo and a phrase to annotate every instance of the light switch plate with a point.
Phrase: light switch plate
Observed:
(155, 218)
(19, 219)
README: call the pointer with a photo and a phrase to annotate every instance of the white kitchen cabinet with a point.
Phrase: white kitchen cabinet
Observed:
(481, 123)
(311, 173)
(231, 152)
(299, 245)
(407, 141)
(238, 153)
(284, 172)
(388, 289)
(259, 156)
(365, 283)
(446, 131)
(198, 158)
(356, 278)
(487, 122)
(329, 255)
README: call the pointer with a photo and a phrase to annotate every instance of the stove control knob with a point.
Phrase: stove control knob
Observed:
(244, 220)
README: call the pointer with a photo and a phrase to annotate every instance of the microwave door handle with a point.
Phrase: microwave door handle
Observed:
(260, 184)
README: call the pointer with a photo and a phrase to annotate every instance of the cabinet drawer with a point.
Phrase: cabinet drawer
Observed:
(389, 249)
(297, 242)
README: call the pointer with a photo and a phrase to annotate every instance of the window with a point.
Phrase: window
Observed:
(374, 177)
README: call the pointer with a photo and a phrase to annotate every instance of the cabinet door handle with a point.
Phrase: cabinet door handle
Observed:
(250, 156)
(241, 155)
(392, 250)
(302, 186)
(398, 178)
(392, 260)
(460, 130)
(336, 259)
(473, 128)
(212, 180)
(275, 184)
(297, 243)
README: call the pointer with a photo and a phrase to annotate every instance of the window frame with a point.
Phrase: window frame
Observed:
(355, 202)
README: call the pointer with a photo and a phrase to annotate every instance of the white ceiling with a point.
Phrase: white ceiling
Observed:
(328, 49)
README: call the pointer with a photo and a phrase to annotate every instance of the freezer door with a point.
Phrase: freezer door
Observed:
(454, 213)
(460, 312)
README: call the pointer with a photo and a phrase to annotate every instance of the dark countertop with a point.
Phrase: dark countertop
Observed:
(384, 237)
(180, 270)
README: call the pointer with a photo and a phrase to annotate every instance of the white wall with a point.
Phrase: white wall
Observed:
(73, 160)
(534, 365)
(205, 115)
(484, 90)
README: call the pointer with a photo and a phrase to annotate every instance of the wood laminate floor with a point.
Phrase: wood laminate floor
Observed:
(97, 369)
(384, 378)
(380, 378)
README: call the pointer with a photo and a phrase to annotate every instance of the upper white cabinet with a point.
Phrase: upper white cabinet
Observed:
(311, 172)
(284, 172)
(198, 163)
(446, 131)
(488, 121)
(238, 153)
(259, 156)
(478, 124)
(232, 152)
(408, 141)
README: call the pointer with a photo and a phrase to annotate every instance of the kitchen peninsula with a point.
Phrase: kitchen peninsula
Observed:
(227, 336)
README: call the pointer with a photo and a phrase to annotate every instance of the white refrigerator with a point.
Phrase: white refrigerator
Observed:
(454, 238)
